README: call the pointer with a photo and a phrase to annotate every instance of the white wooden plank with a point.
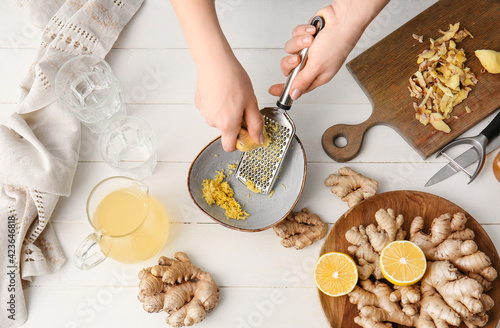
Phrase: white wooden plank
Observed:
(111, 287)
(169, 185)
(168, 76)
(175, 126)
(406, 176)
(244, 23)
(233, 258)
(182, 133)
(172, 123)
(263, 284)
(118, 307)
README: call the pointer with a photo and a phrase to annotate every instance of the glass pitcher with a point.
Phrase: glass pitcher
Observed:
(129, 225)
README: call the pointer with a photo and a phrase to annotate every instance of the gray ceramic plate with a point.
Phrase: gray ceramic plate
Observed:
(264, 210)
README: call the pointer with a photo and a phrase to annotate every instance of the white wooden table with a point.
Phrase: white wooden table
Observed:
(262, 283)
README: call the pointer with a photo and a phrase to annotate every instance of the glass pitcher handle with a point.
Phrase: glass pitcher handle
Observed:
(89, 253)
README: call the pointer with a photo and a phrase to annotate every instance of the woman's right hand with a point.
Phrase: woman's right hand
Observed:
(224, 93)
(225, 98)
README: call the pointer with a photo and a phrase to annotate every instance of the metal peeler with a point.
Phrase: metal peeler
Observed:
(478, 144)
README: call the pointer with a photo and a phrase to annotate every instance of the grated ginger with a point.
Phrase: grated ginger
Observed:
(219, 192)
(252, 187)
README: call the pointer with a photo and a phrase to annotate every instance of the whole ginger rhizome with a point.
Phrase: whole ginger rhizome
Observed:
(179, 288)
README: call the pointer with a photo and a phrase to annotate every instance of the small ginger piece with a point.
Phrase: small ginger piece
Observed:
(375, 306)
(300, 229)
(245, 143)
(419, 38)
(490, 59)
(179, 288)
(351, 186)
(149, 283)
(409, 298)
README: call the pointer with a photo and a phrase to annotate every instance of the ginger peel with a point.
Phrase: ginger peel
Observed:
(351, 186)
(300, 229)
(179, 288)
(442, 80)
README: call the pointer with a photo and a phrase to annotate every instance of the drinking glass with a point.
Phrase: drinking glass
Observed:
(128, 144)
(129, 224)
(88, 86)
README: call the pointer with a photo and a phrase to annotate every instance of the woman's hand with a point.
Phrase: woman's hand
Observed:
(345, 21)
(225, 98)
(224, 94)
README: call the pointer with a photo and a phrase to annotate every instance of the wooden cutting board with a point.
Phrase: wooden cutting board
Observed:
(338, 310)
(383, 72)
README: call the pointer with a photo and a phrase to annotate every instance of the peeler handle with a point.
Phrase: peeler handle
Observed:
(492, 129)
(285, 101)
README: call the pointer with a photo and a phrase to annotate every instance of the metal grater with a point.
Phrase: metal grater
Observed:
(259, 168)
(262, 165)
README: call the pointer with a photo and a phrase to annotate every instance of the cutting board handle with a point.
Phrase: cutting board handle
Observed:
(353, 134)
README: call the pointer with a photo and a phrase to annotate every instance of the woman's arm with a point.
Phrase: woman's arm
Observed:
(224, 93)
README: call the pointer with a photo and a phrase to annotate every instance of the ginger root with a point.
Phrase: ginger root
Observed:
(450, 240)
(368, 242)
(245, 143)
(447, 298)
(300, 229)
(351, 186)
(458, 298)
(450, 292)
(408, 296)
(179, 288)
(375, 306)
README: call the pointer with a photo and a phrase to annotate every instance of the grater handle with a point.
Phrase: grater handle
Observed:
(285, 101)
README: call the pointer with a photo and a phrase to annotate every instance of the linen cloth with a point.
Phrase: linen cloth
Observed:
(39, 145)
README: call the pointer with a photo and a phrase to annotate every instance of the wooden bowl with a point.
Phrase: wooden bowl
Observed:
(338, 310)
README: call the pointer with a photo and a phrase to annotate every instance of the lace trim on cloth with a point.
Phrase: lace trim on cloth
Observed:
(40, 252)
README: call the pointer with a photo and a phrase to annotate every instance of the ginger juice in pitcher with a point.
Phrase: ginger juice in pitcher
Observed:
(133, 230)
(129, 224)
